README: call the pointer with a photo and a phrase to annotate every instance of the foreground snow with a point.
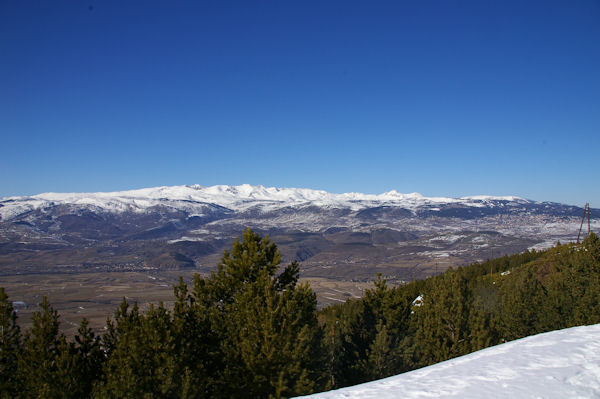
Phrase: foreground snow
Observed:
(558, 364)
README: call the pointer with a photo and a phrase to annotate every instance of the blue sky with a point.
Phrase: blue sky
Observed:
(446, 98)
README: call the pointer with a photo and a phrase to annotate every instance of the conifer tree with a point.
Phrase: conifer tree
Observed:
(243, 265)
(483, 317)
(89, 360)
(382, 359)
(520, 306)
(142, 359)
(369, 338)
(68, 372)
(197, 345)
(10, 346)
(42, 347)
(356, 334)
(586, 290)
(265, 324)
(443, 319)
(273, 344)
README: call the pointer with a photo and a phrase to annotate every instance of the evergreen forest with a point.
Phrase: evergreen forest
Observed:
(251, 330)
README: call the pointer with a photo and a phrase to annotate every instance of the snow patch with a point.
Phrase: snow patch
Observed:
(558, 364)
(449, 238)
(184, 238)
(418, 301)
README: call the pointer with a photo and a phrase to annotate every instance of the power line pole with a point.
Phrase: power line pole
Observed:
(586, 212)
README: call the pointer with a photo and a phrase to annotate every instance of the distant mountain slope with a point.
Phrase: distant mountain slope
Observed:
(239, 198)
(348, 236)
(558, 364)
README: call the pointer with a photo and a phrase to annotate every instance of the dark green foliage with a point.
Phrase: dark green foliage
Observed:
(87, 359)
(47, 362)
(484, 315)
(141, 362)
(266, 331)
(370, 338)
(247, 331)
(10, 343)
(463, 310)
(197, 345)
(583, 283)
(521, 303)
(242, 332)
(351, 327)
(247, 260)
(274, 341)
(289, 277)
(443, 319)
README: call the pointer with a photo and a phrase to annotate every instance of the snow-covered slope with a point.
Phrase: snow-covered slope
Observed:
(558, 364)
(348, 234)
(236, 198)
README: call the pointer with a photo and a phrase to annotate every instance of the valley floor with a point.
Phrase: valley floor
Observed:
(96, 296)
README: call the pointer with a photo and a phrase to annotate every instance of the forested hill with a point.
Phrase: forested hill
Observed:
(554, 365)
(393, 330)
(250, 330)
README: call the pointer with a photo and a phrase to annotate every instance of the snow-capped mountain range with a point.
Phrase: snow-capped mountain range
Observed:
(349, 236)
(238, 198)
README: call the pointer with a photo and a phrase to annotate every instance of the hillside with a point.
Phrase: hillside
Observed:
(350, 236)
(252, 329)
(397, 329)
(558, 364)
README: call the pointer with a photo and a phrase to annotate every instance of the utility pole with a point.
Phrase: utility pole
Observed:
(588, 213)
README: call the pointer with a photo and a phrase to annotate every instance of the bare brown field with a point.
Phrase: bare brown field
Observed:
(96, 296)
(91, 295)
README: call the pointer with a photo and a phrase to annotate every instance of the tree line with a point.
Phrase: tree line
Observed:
(250, 329)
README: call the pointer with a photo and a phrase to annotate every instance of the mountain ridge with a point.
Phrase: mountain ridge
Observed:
(236, 198)
(350, 236)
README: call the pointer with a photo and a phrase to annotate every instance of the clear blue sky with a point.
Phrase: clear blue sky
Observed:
(446, 98)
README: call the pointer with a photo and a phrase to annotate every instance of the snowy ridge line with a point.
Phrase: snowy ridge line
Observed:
(236, 198)
(557, 364)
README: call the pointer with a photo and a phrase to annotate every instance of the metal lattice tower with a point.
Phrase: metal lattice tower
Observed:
(588, 213)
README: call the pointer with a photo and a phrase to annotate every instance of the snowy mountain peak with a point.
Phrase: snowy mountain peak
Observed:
(399, 228)
(236, 198)
(394, 193)
(510, 198)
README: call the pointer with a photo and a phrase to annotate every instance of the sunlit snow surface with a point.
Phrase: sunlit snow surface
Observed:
(233, 197)
(558, 364)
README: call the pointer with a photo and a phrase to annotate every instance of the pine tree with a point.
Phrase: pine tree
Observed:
(197, 345)
(142, 358)
(89, 362)
(483, 315)
(369, 338)
(10, 346)
(443, 319)
(42, 347)
(274, 341)
(382, 359)
(265, 325)
(356, 330)
(586, 265)
(243, 265)
(520, 306)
